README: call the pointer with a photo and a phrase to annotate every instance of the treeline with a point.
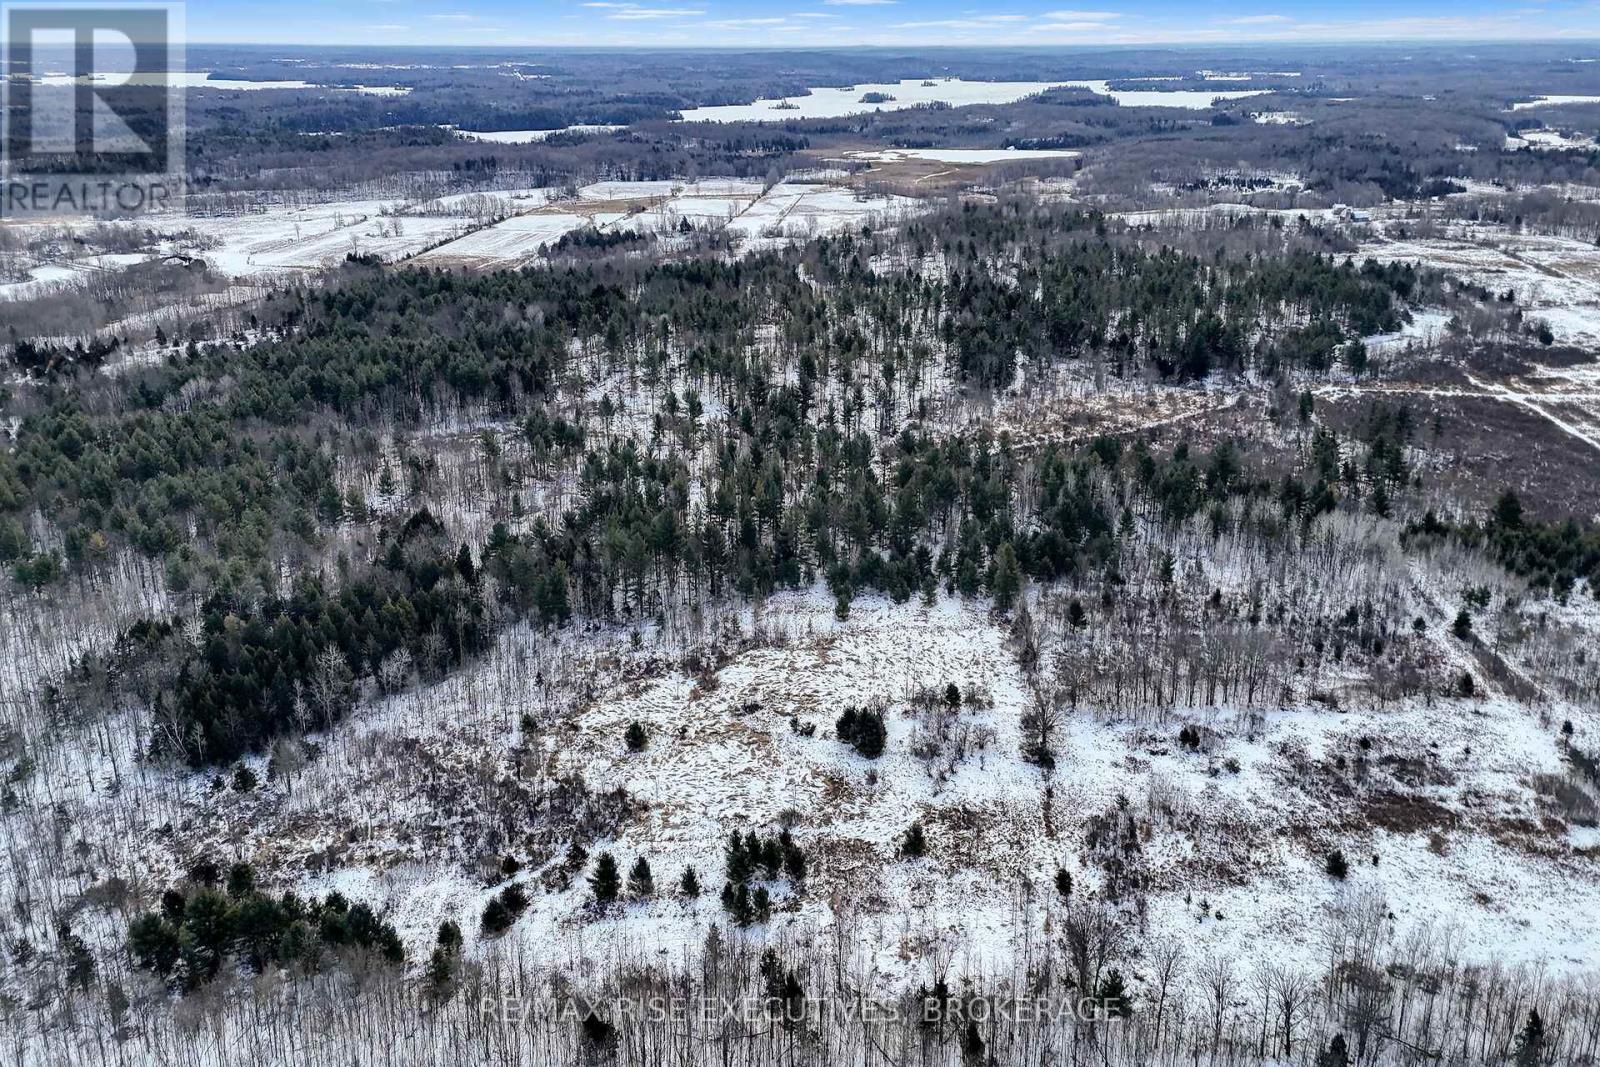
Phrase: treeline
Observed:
(292, 662)
(1184, 315)
(1553, 556)
(200, 927)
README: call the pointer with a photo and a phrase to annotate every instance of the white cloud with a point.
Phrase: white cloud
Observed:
(1081, 16)
(1255, 20)
(981, 22)
(635, 13)
(859, 3)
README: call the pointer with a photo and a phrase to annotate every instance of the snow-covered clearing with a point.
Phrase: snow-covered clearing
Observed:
(1234, 854)
(514, 241)
(1549, 141)
(1556, 279)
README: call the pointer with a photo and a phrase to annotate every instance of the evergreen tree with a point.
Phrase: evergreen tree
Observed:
(1336, 1054)
(689, 884)
(915, 843)
(1006, 580)
(1113, 995)
(1530, 1050)
(863, 730)
(606, 881)
(1336, 865)
(641, 883)
(794, 859)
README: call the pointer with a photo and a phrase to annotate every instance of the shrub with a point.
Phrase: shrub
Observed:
(1337, 866)
(863, 730)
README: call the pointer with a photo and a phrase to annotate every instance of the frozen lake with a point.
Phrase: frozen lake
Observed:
(965, 155)
(529, 136)
(1554, 101)
(201, 79)
(826, 103)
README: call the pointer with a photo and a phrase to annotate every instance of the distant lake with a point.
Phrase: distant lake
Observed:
(200, 79)
(826, 103)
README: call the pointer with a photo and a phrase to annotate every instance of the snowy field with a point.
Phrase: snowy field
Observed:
(1556, 279)
(487, 229)
(514, 241)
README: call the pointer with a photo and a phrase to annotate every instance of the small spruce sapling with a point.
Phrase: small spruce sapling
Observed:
(1337, 866)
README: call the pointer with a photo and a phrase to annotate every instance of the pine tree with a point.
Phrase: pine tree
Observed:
(689, 884)
(606, 880)
(635, 737)
(794, 859)
(972, 1047)
(1337, 1054)
(497, 918)
(1006, 579)
(1064, 883)
(641, 883)
(739, 861)
(864, 731)
(915, 843)
(1337, 866)
(1530, 1051)
(1113, 995)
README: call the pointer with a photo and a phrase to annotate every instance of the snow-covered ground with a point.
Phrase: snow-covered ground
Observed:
(279, 238)
(1234, 851)
(514, 241)
(1424, 330)
(786, 212)
(1556, 279)
(1549, 141)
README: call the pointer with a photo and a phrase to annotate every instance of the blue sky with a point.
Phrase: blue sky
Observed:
(807, 23)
